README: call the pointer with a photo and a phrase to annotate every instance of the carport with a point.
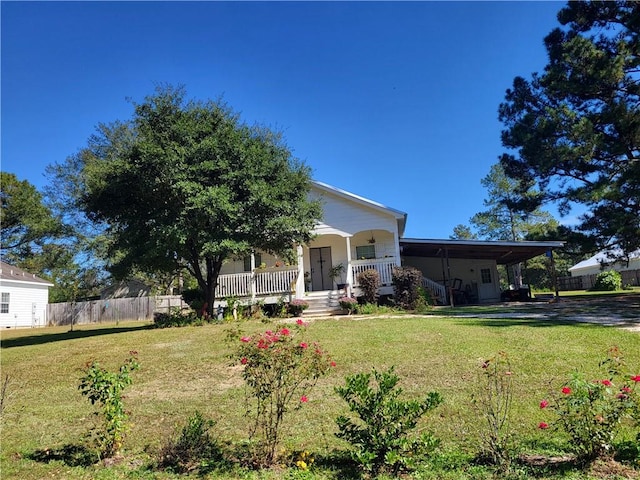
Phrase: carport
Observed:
(502, 252)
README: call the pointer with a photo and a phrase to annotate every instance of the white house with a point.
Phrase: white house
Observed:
(360, 234)
(23, 298)
(602, 261)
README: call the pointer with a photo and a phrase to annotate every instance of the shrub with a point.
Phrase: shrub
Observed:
(493, 400)
(592, 412)
(407, 282)
(176, 318)
(349, 304)
(380, 437)
(194, 298)
(278, 369)
(105, 389)
(297, 306)
(369, 282)
(194, 447)
(608, 281)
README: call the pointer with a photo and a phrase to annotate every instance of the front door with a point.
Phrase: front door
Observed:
(488, 290)
(320, 265)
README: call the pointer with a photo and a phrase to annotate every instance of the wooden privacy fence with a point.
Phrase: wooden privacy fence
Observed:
(585, 282)
(111, 310)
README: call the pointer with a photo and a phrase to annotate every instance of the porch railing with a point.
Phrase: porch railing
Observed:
(438, 290)
(264, 282)
(384, 267)
(276, 281)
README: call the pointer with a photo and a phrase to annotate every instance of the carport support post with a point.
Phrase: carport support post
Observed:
(448, 279)
(553, 273)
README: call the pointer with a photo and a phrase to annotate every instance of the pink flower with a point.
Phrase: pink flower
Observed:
(566, 390)
(543, 426)
(626, 389)
(606, 383)
(544, 404)
(303, 345)
(245, 339)
(300, 322)
(304, 399)
(284, 331)
(622, 396)
(243, 361)
(636, 378)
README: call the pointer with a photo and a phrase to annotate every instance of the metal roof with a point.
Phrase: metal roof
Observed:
(9, 272)
(504, 253)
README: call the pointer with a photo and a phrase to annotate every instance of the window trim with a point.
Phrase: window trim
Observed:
(5, 301)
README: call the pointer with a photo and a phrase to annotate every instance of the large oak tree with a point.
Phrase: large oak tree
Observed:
(186, 183)
(574, 130)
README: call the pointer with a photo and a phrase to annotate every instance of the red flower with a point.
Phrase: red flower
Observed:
(300, 322)
(626, 389)
(284, 331)
(304, 399)
(543, 426)
(606, 383)
(566, 390)
(544, 404)
(622, 396)
(245, 339)
(333, 364)
(636, 378)
(243, 361)
(304, 345)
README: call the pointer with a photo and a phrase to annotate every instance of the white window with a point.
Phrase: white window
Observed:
(365, 252)
(4, 302)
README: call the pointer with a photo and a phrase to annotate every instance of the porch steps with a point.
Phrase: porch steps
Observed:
(323, 304)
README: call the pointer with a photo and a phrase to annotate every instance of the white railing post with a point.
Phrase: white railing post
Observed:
(349, 270)
(252, 281)
(300, 280)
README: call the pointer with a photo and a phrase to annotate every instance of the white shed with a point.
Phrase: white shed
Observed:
(23, 298)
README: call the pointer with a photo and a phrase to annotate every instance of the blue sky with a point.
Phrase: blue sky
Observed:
(393, 101)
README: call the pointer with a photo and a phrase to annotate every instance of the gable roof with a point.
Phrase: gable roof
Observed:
(15, 274)
(504, 253)
(603, 258)
(401, 217)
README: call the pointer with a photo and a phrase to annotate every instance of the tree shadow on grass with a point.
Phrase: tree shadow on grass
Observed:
(339, 462)
(70, 454)
(520, 322)
(70, 335)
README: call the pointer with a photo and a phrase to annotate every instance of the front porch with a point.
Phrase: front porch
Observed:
(274, 284)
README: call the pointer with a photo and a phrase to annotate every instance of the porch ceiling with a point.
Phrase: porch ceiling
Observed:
(504, 253)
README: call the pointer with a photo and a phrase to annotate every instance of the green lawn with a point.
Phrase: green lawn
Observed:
(187, 369)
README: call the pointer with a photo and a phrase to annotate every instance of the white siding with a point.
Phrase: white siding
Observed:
(349, 217)
(27, 305)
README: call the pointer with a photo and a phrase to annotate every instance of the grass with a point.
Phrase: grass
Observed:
(186, 369)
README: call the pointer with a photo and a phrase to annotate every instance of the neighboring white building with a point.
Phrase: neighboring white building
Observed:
(23, 298)
(601, 261)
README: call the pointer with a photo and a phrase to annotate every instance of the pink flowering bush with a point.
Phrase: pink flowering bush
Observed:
(297, 306)
(349, 304)
(592, 412)
(279, 368)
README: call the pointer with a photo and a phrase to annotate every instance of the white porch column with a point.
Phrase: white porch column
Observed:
(300, 280)
(349, 270)
(396, 246)
(252, 283)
